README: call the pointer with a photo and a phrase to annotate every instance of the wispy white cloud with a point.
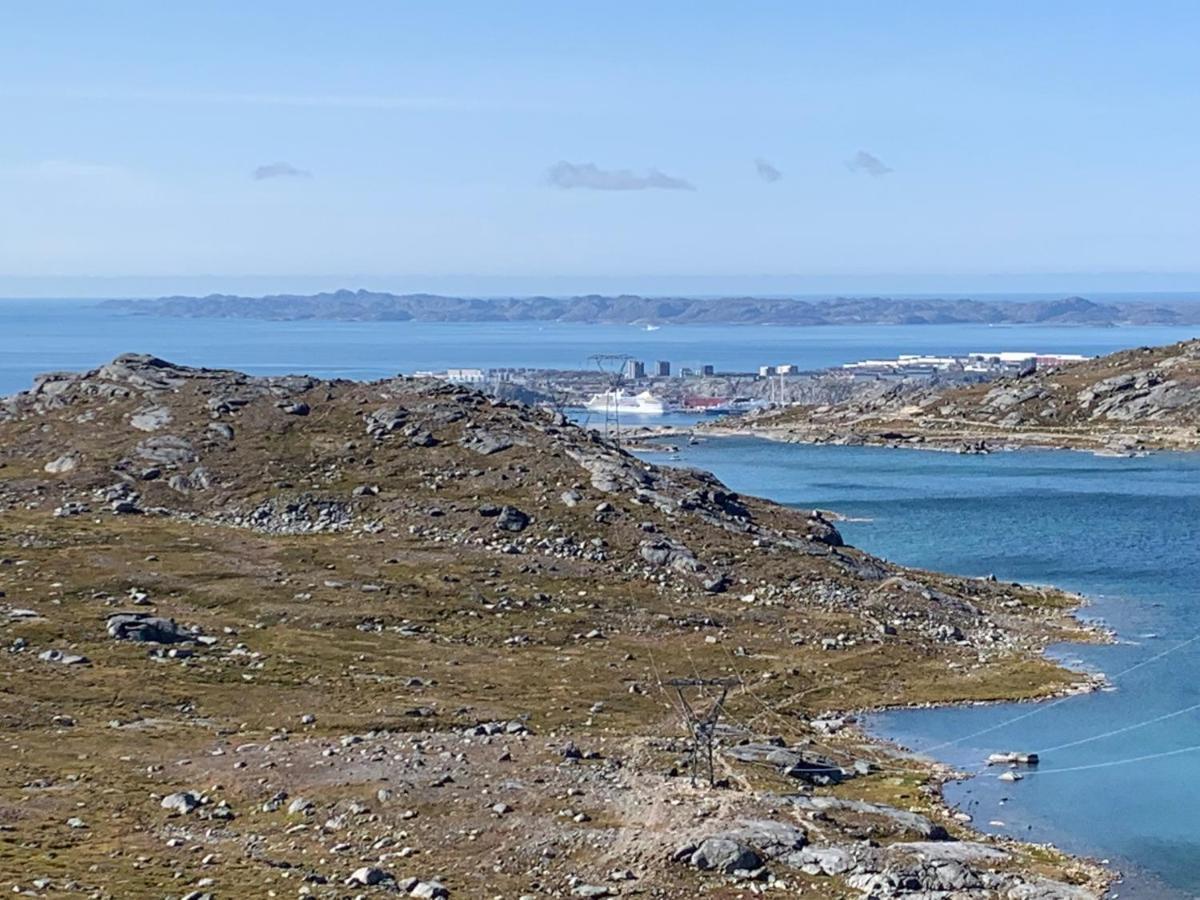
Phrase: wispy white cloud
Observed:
(867, 164)
(279, 170)
(589, 176)
(74, 170)
(240, 98)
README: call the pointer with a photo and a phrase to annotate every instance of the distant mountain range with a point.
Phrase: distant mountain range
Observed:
(635, 310)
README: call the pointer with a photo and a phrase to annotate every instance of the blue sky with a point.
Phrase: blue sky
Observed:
(404, 144)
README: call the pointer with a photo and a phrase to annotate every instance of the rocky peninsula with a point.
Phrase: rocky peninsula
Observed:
(292, 637)
(1122, 404)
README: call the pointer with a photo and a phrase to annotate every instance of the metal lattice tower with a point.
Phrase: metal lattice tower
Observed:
(701, 727)
(612, 366)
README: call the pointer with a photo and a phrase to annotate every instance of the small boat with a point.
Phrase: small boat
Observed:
(1011, 776)
(1012, 758)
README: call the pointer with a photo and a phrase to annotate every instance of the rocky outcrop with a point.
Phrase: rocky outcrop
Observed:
(1136, 399)
(147, 629)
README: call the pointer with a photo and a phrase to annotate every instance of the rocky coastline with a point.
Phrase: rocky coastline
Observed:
(1124, 404)
(268, 634)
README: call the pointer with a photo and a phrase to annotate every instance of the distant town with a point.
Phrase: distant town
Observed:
(633, 386)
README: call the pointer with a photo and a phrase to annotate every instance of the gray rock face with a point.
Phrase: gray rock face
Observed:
(385, 420)
(151, 418)
(1045, 889)
(831, 860)
(167, 450)
(794, 763)
(147, 629)
(485, 443)
(1003, 397)
(929, 870)
(611, 472)
(725, 855)
(770, 838)
(899, 819)
(669, 554)
(141, 370)
(197, 480)
(938, 852)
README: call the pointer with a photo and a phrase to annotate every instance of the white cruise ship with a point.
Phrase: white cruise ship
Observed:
(643, 404)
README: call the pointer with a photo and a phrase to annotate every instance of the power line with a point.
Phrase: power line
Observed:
(1114, 762)
(1116, 731)
(1042, 707)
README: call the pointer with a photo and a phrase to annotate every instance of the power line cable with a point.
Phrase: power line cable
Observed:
(1042, 707)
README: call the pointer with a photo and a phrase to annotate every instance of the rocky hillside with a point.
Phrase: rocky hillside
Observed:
(281, 636)
(1142, 399)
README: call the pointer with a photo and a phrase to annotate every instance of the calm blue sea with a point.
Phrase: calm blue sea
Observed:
(1126, 533)
(37, 336)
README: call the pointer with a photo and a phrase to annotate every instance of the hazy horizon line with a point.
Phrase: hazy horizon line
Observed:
(87, 287)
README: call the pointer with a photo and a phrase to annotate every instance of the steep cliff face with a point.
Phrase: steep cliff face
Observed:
(271, 633)
(1143, 398)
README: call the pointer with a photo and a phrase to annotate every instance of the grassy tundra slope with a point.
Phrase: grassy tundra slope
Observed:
(281, 636)
(1148, 398)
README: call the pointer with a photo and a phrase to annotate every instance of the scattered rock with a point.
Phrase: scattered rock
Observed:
(147, 629)
(182, 802)
(61, 465)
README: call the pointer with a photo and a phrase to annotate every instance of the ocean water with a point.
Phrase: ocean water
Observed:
(1126, 532)
(42, 335)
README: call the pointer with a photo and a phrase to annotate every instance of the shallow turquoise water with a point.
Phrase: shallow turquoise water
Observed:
(1123, 532)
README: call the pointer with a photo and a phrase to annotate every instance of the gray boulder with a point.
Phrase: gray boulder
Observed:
(511, 519)
(147, 629)
(770, 838)
(367, 876)
(725, 855)
(485, 443)
(65, 659)
(166, 449)
(182, 802)
(151, 418)
(664, 553)
(68, 462)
